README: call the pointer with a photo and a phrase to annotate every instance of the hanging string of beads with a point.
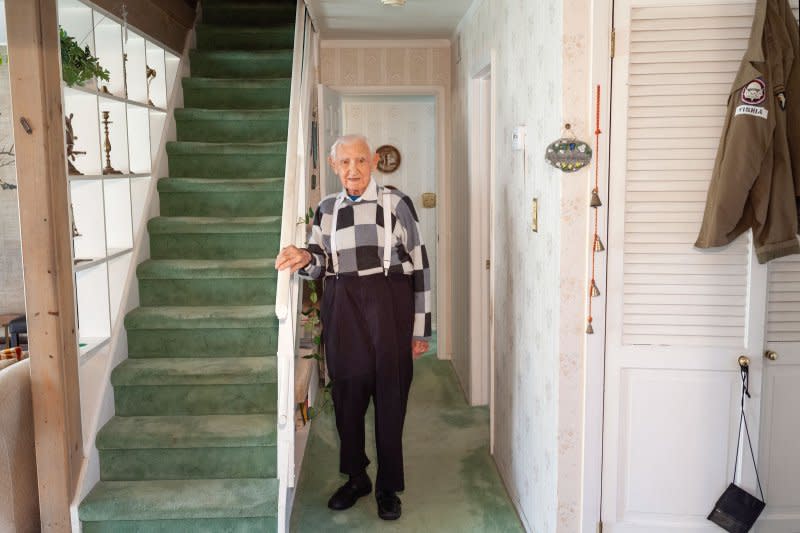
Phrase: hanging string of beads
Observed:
(596, 203)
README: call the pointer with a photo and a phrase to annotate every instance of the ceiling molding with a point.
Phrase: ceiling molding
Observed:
(385, 43)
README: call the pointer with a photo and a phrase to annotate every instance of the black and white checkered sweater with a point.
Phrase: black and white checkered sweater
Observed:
(359, 242)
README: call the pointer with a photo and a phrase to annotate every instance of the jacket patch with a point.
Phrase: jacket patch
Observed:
(752, 110)
(755, 92)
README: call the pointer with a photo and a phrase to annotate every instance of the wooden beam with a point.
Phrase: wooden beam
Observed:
(164, 20)
(38, 120)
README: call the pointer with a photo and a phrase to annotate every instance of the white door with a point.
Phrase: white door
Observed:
(409, 124)
(779, 464)
(677, 317)
(330, 129)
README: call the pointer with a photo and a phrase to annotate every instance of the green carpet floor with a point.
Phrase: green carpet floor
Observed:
(192, 447)
(452, 484)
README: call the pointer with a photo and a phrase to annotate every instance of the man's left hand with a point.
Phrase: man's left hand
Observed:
(418, 348)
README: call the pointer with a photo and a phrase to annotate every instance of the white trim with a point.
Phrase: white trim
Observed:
(444, 289)
(467, 16)
(481, 186)
(387, 43)
(594, 364)
(493, 257)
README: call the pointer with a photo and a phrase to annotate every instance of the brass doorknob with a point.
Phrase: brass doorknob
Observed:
(744, 361)
(772, 356)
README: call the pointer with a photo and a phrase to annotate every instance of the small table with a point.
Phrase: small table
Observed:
(5, 319)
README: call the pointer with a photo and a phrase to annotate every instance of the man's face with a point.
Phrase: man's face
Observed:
(353, 164)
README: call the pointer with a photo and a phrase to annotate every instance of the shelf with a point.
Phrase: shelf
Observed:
(110, 210)
(101, 177)
(89, 345)
(110, 96)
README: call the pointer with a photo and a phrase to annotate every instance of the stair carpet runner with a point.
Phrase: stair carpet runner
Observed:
(192, 447)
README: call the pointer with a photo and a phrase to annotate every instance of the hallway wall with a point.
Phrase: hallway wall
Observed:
(528, 81)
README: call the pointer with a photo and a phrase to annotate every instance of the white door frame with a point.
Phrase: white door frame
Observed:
(481, 236)
(602, 20)
(444, 194)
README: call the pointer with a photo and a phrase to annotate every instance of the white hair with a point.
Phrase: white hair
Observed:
(349, 139)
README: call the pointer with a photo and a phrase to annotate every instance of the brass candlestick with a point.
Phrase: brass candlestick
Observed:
(150, 74)
(75, 232)
(109, 169)
(71, 152)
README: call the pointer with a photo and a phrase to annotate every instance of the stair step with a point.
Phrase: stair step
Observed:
(210, 317)
(188, 447)
(211, 37)
(195, 386)
(249, 13)
(180, 282)
(142, 501)
(227, 126)
(187, 371)
(222, 93)
(262, 64)
(214, 238)
(203, 197)
(221, 160)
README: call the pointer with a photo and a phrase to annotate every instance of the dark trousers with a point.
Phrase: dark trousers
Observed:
(367, 331)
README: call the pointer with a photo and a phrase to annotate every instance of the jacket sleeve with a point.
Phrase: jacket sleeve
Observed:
(319, 256)
(743, 147)
(421, 276)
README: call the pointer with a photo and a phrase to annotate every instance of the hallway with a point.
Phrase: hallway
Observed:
(451, 481)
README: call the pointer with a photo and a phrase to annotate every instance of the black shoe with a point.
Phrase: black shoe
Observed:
(350, 492)
(388, 504)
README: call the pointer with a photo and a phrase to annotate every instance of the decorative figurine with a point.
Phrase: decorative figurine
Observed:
(108, 169)
(150, 73)
(71, 152)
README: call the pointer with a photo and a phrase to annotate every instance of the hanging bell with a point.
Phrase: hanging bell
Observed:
(598, 244)
(589, 328)
(595, 290)
(595, 199)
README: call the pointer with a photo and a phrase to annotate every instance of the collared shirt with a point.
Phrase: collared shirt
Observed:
(359, 243)
(756, 175)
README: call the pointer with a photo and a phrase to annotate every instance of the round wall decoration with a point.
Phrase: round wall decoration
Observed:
(389, 158)
(568, 154)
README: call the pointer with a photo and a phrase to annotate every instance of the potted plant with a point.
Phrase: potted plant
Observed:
(78, 65)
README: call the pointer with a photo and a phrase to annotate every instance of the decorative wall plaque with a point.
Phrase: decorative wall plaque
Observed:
(389, 158)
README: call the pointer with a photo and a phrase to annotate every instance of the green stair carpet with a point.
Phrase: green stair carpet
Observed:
(193, 444)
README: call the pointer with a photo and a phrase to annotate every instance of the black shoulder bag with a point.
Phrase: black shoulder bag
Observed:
(737, 510)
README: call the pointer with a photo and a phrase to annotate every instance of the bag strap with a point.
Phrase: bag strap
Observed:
(745, 373)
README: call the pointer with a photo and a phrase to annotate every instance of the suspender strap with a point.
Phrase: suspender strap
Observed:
(387, 231)
(334, 253)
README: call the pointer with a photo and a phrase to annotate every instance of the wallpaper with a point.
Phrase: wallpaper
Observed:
(528, 81)
(12, 290)
(411, 65)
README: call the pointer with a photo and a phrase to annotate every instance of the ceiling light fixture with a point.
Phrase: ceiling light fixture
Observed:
(394, 3)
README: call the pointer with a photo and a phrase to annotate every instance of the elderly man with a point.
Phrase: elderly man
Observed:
(375, 315)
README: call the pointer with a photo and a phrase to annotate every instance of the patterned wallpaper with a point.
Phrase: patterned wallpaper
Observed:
(359, 66)
(12, 295)
(528, 81)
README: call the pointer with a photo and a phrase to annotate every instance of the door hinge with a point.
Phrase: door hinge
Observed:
(488, 263)
(613, 43)
(600, 527)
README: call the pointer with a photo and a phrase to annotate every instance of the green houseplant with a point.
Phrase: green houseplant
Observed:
(78, 65)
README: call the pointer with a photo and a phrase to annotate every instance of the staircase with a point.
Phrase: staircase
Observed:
(192, 447)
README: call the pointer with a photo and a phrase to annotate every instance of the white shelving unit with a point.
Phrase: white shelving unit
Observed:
(108, 208)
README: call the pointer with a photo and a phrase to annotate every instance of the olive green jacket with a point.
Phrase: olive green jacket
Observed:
(756, 175)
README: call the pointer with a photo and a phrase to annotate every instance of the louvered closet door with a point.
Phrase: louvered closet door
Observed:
(780, 431)
(678, 318)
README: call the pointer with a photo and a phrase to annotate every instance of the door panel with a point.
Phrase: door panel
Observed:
(678, 317)
(330, 129)
(780, 433)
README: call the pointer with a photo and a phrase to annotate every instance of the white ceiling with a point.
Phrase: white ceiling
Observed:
(370, 19)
